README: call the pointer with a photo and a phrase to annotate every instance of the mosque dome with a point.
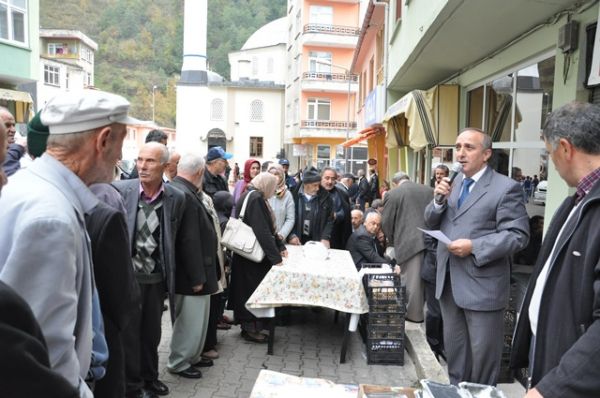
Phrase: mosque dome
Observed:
(271, 34)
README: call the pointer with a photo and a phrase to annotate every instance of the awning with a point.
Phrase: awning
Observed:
(416, 107)
(364, 135)
(19, 103)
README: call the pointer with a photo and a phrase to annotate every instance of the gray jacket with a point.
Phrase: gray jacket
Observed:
(45, 256)
(285, 215)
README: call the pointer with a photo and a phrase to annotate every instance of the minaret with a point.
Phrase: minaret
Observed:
(194, 42)
(192, 89)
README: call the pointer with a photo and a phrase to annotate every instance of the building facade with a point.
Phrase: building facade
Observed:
(19, 51)
(320, 88)
(66, 63)
(507, 79)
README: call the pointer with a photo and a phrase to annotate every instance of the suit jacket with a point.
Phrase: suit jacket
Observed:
(24, 363)
(321, 222)
(364, 190)
(117, 289)
(494, 217)
(365, 248)
(45, 257)
(565, 360)
(403, 210)
(173, 215)
(202, 237)
(342, 227)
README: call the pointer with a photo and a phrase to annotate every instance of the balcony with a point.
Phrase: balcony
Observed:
(325, 128)
(329, 82)
(330, 35)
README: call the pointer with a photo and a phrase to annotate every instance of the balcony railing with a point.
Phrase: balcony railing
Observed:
(329, 76)
(331, 29)
(327, 124)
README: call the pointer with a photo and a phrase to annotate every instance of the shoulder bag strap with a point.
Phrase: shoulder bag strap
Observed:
(244, 205)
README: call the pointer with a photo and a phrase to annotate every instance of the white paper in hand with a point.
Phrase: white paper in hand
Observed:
(439, 235)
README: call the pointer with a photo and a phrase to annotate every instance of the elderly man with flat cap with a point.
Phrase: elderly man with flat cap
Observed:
(44, 247)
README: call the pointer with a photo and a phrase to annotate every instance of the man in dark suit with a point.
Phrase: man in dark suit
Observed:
(363, 244)
(155, 215)
(117, 289)
(195, 277)
(363, 195)
(403, 210)
(341, 209)
(558, 332)
(216, 163)
(484, 216)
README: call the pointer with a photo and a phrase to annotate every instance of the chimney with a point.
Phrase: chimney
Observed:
(193, 70)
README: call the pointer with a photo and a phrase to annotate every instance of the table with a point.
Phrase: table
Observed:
(304, 280)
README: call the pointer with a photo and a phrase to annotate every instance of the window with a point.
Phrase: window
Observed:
(256, 111)
(13, 20)
(216, 109)
(256, 147)
(321, 15)
(52, 75)
(323, 156)
(319, 61)
(87, 55)
(319, 109)
(512, 108)
(270, 65)
(61, 49)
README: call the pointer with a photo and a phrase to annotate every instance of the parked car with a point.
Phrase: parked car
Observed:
(539, 196)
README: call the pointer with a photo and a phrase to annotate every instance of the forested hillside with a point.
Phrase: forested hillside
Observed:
(140, 42)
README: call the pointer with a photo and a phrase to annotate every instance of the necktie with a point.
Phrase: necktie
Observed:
(467, 182)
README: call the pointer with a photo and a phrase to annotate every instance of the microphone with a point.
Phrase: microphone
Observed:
(454, 170)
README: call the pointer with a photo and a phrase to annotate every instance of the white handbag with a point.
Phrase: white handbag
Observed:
(240, 239)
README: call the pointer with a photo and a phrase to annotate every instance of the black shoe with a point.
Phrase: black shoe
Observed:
(190, 373)
(204, 363)
(157, 387)
(141, 394)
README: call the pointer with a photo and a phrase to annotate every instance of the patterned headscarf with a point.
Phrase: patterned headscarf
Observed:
(277, 170)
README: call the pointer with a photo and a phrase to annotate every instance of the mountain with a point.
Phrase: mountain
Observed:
(140, 42)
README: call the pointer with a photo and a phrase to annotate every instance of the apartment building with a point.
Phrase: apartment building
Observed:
(320, 88)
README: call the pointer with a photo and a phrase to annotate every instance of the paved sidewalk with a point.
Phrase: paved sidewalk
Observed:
(310, 347)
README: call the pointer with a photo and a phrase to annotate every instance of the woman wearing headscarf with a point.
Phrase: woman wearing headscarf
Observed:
(282, 204)
(251, 170)
(246, 275)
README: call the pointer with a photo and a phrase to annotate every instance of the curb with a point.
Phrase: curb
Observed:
(426, 365)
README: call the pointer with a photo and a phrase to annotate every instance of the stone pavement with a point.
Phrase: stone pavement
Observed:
(310, 347)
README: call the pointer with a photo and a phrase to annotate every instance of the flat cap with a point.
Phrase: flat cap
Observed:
(83, 110)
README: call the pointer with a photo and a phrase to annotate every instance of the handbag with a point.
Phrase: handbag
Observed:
(240, 239)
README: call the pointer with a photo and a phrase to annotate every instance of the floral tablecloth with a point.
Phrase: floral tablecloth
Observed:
(305, 281)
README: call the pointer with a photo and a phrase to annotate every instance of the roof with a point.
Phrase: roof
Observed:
(68, 34)
(271, 34)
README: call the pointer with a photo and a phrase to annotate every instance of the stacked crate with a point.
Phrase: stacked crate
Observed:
(385, 320)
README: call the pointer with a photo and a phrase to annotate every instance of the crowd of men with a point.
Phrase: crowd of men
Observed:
(86, 262)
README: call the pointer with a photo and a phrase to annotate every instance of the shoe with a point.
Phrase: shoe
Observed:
(212, 354)
(141, 394)
(157, 387)
(254, 337)
(190, 373)
(223, 326)
(204, 363)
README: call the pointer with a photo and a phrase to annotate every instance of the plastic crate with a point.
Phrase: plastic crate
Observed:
(397, 307)
(385, 331)
(386, 318)
(385, 351)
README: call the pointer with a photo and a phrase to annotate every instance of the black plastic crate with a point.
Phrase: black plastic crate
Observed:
(397, 307)
(386, 318)
(385, 351)
(385, 331)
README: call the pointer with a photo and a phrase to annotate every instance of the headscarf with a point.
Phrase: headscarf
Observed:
(265, 183)
(277, 170)
(247, 177)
